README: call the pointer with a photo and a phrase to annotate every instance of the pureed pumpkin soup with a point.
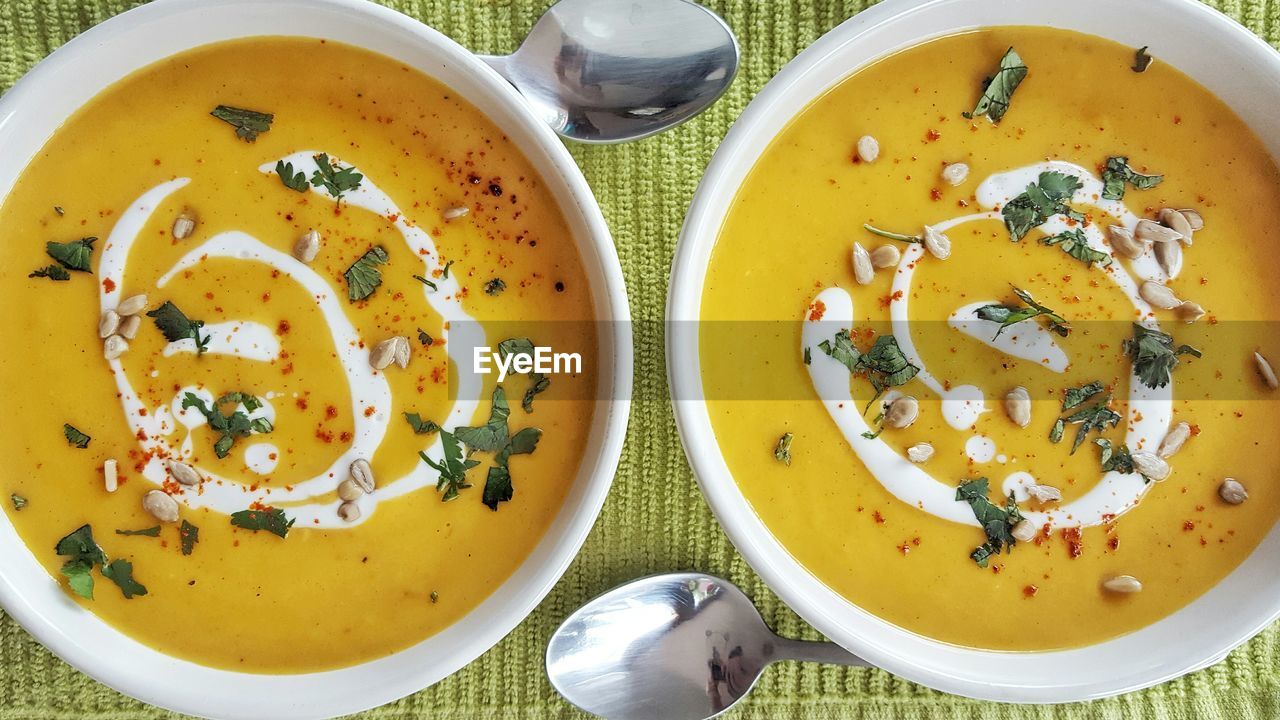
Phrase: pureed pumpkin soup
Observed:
(246, 276)
(984, 339)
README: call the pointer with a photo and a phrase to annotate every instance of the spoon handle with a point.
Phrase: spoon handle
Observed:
(822, 652)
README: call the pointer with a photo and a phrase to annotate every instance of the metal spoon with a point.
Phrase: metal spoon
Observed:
(682, 646)
(606, 71)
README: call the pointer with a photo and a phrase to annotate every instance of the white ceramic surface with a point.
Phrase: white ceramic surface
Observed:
(1208, 46)
(99, 57)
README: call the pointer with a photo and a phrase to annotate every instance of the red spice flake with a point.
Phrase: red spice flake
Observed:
(369, 411)
(904, 548)
(1188, 525)
(817, 310)
(282, 328)
(330, 412)
(1030, 591)
(301, 403)
(932, 135)
(344, 436)
(437, 375)
(324, 436)
(287, 369)
(109, 285)
(878, 517)
(1113, 543)
(1075, 541)
(935, 194)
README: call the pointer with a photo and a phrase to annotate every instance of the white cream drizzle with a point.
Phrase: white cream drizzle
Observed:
(1150, 410)
(1027, 341)
(254, 341)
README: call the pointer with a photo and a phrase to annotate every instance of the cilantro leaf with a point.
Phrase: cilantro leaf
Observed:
(1072, 397)
(334, 178)
(495, 286)
(1117, 459)
(291, 179)
(74, 437)
(18, 501)
(998, 92)
(248, 123)
(538, 381)
(1008, 315)
(420, 426)
(363, 276)
(1141, 60)
(83, 554)
(272, 520)
(1059, 427)
(1153, 355)
(175, 326)
(452, 467)
(54, 272)
(74, 255)
(1074, 243)
(782, 451)
(1117, 172)
(148, 532)
(492, 436)
(497, 487)
(229, 427)
(997, 522)
(189, 535)
(1095, 417)
(1043, 199)
(79, 577)
(424, 338)
(120, 572)
(883, 365)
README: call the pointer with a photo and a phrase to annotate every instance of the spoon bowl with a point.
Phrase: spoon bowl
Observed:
(607, 71)
(681, 646)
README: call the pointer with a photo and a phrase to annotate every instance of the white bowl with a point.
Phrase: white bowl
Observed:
(43, 99)
(1211, 48)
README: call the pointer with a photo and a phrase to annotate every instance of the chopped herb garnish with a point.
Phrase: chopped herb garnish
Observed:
(74, 255)
(538, 381)
(1059, 427)
(58, 209)
(1117, 172)
(120, 572)
(426, 282)
(248, 123)
(189, 535)
(424, 338)
(444, 272)
(1008, 315)
(273, 520)
(74, 437)
(83, 554)
(420, 426)
(998, 92)
(879, 423)
(494, 436)
(53, 272)
(175, 326)
(1076, 244)
(291, 179)
(892, 235)
(884, 365)
(1043, 199)
(494, 286)
(1141, 59)
(229, 427)
(997, 522)
(1095, 417)
(1072, 397)
(1117, 459)
(452, 467)
(782, 451)
(363, 276)
(18, 501)
(808, 356)
(1153, 355)
(334, 178)
(149, 532)
(435, 596)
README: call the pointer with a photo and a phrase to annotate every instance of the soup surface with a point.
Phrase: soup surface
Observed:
(280, 385)
(1019, 322)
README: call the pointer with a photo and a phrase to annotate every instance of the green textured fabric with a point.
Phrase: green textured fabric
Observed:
(655, 519)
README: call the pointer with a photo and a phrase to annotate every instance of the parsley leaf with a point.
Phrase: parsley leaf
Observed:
(248, 123)
(494, 436)
(74, 255)
(273, 520)
(997, 522)
(363, 276)
(1008, 315)
(994, 102)
(1117, 459)
(883, 365)
(782, 451)
(452, 467)
(175, 326)
(148, 532)
(18, 501)
(1153, 355)
(1095, 417)
(1043, 199)
(1117, 172)
(229, 427)
(1074, 243)
(53, 272)
(291, 179)
(83, 554)
(420, 426)
(494, 286)
(189, 535)
(120, 572)
(1141, 59)
(75, 437)
(334, 178)
(539, 382)
(1072, 397)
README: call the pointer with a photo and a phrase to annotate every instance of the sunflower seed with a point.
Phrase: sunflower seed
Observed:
(1151, 466)
(362, 474)
(885, 256)
(161, 506)
(108, 325)
(183, 227)
(1044, 493)
(132, 305)
(1232, 492)
(1193, 219)
(1178, 223)
(349, 511)
(1264, 369)
(1124, 242)
(308, 246)
(936, 243)
(1189, 311)
(1122, 584)
(383, 354)
(403, 352)
(1017, 404)
(955, 173)
(863, 271)
(1169, 255)
(868, 149)
(110, 475)
(920, 452)
(1152, 231)
(902, 412)
(454, 213)
(184, 473)
(114, 346)
(1173, 441)
(1159, 295)
(1024, 531)
(349, 490)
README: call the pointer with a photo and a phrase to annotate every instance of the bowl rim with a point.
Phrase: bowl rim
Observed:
(349, 689)
(876, 640)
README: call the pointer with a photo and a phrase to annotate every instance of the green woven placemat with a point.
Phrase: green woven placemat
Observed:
(655, 519)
